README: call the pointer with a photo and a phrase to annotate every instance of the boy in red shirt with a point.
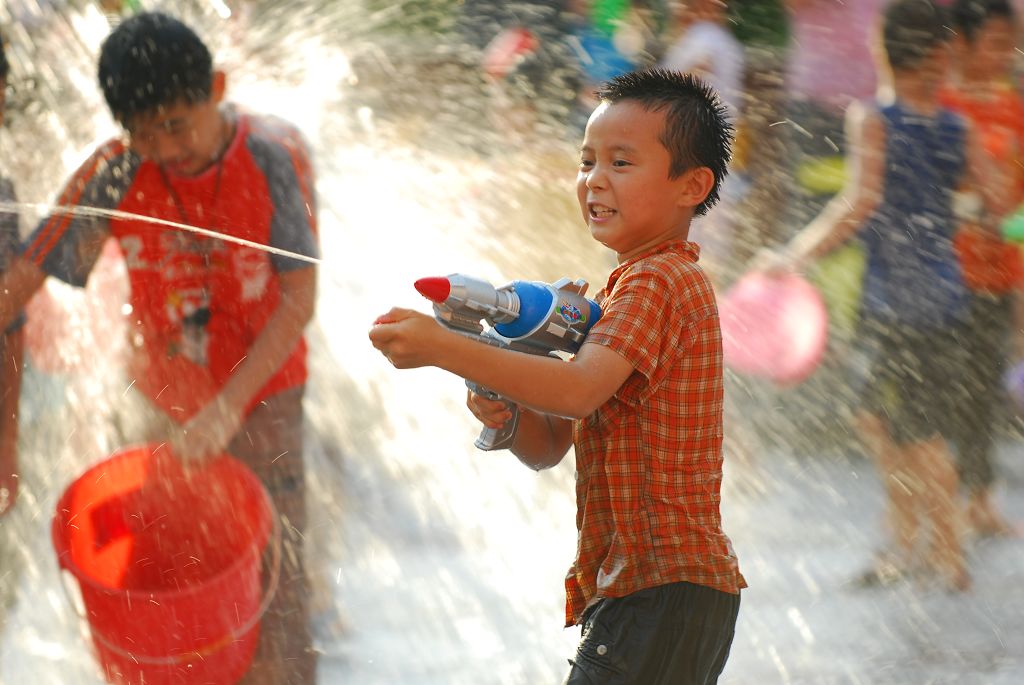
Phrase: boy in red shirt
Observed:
(983, 92)
(655, 582)
(216, 326)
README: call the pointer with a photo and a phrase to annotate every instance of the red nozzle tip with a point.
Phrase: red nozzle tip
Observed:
(436, 288)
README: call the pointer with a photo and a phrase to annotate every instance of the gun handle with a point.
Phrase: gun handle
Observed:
(499, 438)
(491, 439)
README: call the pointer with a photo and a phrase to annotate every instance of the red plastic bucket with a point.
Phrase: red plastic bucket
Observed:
(168, 563)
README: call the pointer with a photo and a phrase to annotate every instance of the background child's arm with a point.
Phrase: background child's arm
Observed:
(574, 389)
(844, 214)
(541, 439)
(996, 186)
(12, 350)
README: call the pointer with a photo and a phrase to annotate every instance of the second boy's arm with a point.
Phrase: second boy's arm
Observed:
(847, 211)
(209, 431)
(12, 349)
(17, 285)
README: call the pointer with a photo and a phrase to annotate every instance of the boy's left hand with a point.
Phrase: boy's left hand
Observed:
(207, 434)
(407, 338)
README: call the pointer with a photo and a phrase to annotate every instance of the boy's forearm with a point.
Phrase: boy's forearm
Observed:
(17, 285)
(835, 225)
(277, 340)
(542, 440)
(544, 384)
(12, 350)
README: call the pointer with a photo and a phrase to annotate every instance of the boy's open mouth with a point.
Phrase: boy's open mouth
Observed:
(601, 211)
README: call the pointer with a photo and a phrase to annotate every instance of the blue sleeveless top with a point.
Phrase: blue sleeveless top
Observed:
(912, 276)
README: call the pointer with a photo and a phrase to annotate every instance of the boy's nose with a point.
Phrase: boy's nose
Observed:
(159, 148)
(166, 149)
(595, 178)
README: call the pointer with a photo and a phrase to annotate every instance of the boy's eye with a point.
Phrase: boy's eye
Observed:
(586, 163)
(620, 162)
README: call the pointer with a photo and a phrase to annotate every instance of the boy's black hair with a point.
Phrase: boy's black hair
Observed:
(911, 29)
(152, 60)
(970, 15)
(5, 66)
(697, 131)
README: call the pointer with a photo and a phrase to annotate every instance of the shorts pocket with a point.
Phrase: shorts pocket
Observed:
(603, 653)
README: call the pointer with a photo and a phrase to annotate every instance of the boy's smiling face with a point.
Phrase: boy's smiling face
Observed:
(627, 198)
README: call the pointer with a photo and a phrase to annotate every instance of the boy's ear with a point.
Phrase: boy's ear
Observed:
(695, 184)
(219, 87)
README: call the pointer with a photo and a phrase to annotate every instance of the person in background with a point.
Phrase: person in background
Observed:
(830, 66)
(216, 327)
(982, 90)
(12, 339)
(764, 141)
(907, 160)
(702, 44)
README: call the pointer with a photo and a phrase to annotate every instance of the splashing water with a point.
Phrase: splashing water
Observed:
(57, 210)
(434, 563)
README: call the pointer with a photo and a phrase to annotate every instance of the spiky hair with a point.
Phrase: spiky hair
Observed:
(697, 130)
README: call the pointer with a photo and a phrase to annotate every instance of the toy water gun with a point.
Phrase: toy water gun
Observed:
(525, 316)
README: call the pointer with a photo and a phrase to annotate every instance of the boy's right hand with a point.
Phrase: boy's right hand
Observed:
(491, 413)
(408, 339)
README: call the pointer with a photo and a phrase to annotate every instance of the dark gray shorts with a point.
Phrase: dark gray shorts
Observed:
(914, 380)
(676, 634)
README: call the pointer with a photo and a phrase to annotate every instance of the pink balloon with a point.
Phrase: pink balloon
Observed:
(773, 327)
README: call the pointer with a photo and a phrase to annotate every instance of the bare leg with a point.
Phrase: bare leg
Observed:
(900, 485)
(935, 469)
(983, 517)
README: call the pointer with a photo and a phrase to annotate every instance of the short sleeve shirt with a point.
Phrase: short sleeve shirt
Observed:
(649, 461)
(197, 303)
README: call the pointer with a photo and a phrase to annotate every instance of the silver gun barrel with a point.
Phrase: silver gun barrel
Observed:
(497, 305)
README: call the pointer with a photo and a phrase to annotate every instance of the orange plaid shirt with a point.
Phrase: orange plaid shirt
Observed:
(649, 460)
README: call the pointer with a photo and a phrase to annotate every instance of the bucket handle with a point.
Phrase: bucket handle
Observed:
(277, 542)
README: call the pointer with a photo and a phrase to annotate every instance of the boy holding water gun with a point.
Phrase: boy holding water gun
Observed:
(655, 584)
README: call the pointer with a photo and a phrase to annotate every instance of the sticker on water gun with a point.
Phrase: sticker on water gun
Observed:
(571, 314)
